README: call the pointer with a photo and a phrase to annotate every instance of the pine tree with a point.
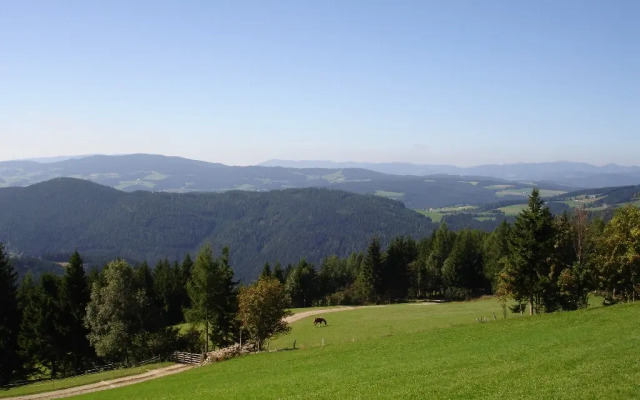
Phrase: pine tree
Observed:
(266, 271)
(495, 252)
(9, 320)
(212, 294)
(395, 273)
(224, 328)
(278, 273)
(527, 277)
(42, 331)
(373, 261)
(462, 270)
(301, 284)
(74, 296)
(168, 291)
(26, 302)
(441, 245)
(368, 283)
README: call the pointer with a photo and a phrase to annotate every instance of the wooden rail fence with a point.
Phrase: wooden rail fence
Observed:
(187, 358)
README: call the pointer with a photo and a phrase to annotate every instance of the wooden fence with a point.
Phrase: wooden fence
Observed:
(187, 358)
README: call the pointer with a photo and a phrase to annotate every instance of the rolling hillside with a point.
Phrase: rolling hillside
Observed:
(174, 174)
(53, 218)
(600, 202)
(588, 354)
(574, 174)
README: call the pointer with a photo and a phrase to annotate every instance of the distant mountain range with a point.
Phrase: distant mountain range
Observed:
(577, 175)
(174, 174)
(49, 220)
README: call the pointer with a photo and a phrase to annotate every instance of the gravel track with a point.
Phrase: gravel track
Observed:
(104, 385)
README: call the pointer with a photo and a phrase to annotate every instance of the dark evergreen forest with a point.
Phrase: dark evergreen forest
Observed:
(50, 220)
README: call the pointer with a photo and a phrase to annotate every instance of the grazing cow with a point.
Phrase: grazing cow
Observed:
(319, 321)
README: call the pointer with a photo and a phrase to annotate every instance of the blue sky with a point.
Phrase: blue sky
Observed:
(240, 82)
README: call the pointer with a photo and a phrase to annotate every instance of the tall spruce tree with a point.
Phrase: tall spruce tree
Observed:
(225, 327)
(26, 300)
(527, 277)
(369, 283)
(212, 294)
(462, 270)
(441, 244)
(495, 252)
(74, 296)
(301, 284)
(402, 251)
(9, 320)
(168, 289)
(42, 331)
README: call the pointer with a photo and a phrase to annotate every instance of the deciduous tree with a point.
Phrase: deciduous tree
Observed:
(619, 259)
(262, 308)
(114, 312)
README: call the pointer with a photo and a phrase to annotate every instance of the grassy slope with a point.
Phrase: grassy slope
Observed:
(50, 385)
(584, 354)
(373, 322)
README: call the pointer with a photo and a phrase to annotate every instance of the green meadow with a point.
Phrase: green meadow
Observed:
(588, 354)
(364, 323)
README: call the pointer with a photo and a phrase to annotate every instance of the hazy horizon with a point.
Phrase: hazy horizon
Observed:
(462, 83)
(76, 156)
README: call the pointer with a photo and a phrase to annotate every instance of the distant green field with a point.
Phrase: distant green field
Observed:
(581, 201)
(514, 192)
(390, 195)
(513, 209)
(455, 208)
(590, 354)
(126, 184)
(335, 177)
(245, 186)
(525, 192)
(156, 176)
(435, 216)
(498, 187)
(485, 218)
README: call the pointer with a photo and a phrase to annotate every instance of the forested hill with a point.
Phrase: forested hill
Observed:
(53, 218)
(174, 174)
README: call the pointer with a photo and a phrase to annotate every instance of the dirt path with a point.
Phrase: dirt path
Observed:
(305, 314)
(104, 385)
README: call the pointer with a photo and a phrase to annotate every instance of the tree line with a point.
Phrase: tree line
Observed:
(59, 326)
(543, 262)
(64, 324)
